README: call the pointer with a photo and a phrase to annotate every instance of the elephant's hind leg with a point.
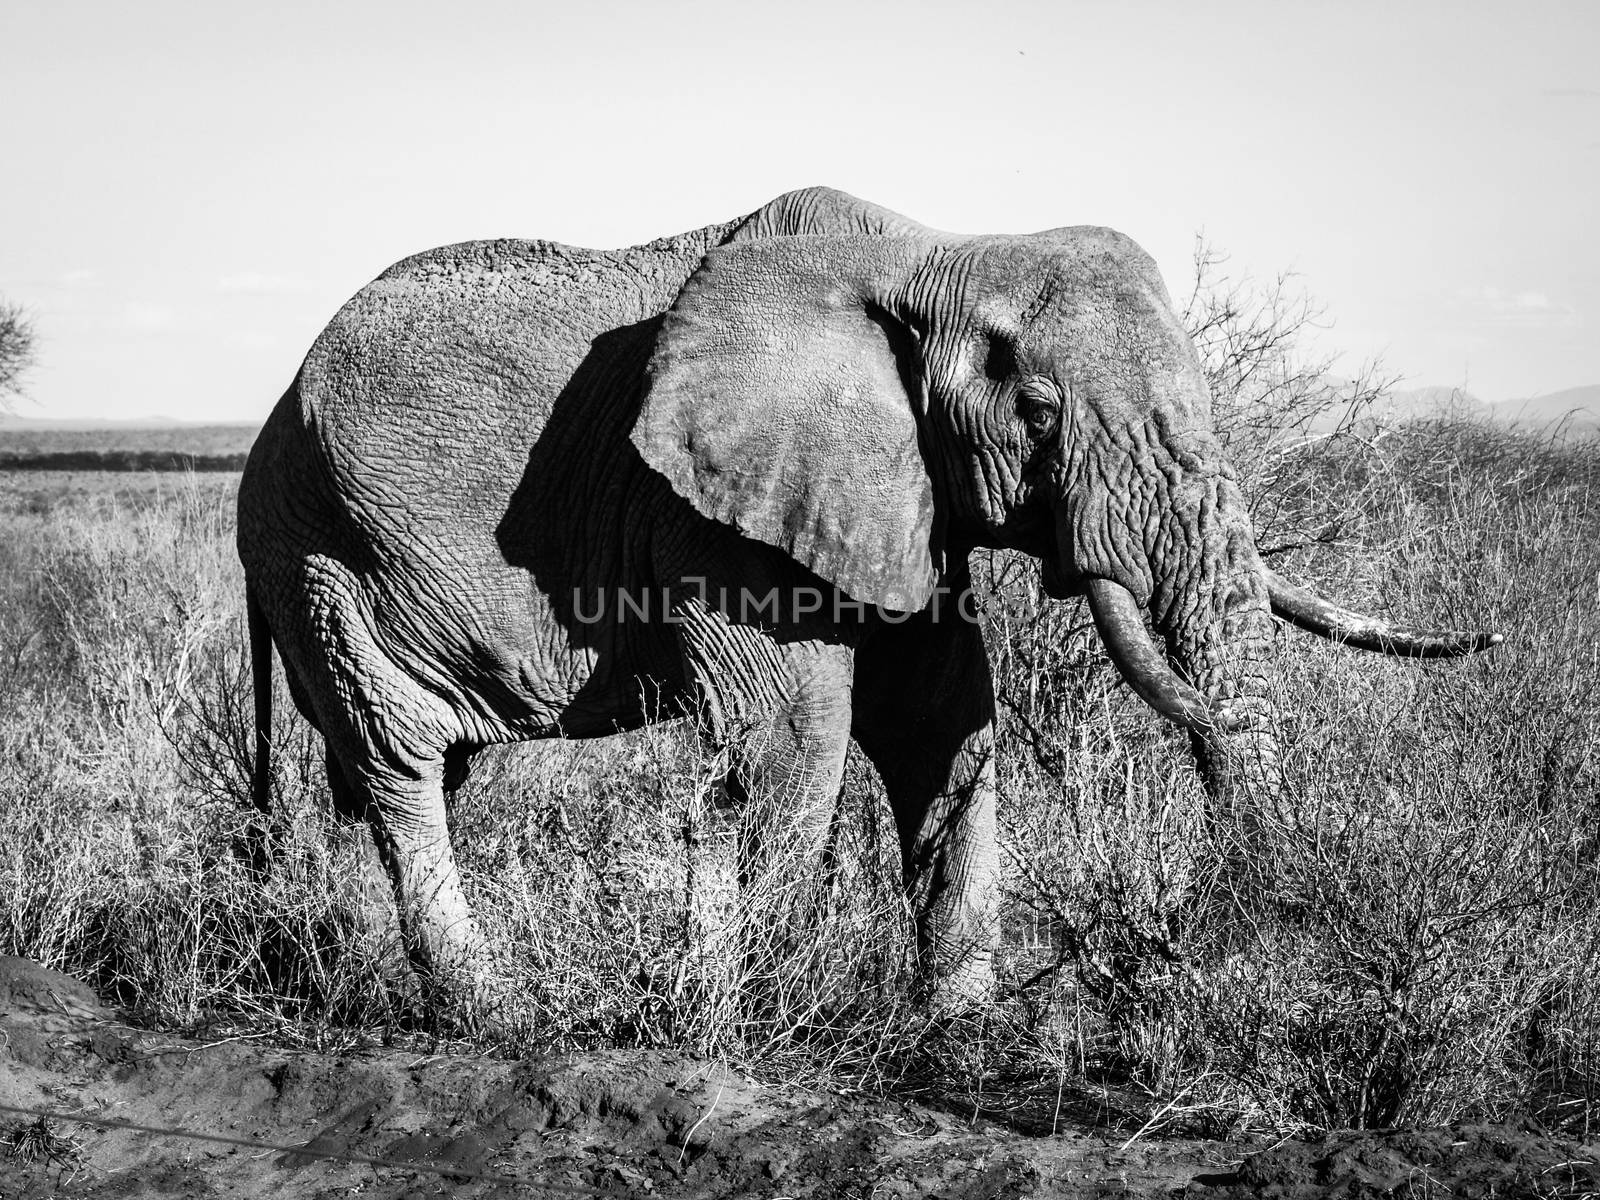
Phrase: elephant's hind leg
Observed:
(407, 812)
(390, 745)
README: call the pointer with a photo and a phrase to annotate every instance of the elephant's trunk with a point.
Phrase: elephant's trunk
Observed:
(1212, 604)
(1209, 601)
(1191, 552)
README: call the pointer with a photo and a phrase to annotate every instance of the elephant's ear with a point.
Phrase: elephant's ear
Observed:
(783, 400)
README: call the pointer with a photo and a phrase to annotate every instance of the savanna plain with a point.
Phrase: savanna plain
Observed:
(1384, 982)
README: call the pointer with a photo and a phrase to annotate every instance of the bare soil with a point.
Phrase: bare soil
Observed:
(395, 1123)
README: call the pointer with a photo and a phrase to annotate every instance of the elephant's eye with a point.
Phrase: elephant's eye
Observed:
(1040, 412)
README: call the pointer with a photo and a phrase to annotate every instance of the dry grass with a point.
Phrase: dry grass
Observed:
(1409, 935)
(38, 1142)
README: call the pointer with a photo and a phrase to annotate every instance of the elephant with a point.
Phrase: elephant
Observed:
(522, 490)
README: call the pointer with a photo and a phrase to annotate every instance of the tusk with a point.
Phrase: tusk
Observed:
(1306, 610)
(1142, 665)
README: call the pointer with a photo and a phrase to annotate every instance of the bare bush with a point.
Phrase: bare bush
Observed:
(1275, 404)
(17, 348)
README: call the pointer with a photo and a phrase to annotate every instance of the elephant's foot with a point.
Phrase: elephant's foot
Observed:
(965, 987)
(462, 980)
(464, 988)
(957, 937)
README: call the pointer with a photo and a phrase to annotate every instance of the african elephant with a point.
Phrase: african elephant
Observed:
(524, 490)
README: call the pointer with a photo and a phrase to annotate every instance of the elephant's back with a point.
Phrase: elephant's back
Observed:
(437, 379)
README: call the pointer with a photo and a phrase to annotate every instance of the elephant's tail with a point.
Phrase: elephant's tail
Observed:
(261, 685)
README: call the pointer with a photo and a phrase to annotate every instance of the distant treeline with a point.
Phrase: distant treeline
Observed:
(171, 448)
(119, 460)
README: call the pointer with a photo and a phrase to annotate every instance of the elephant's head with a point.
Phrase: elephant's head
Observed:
(877, 405)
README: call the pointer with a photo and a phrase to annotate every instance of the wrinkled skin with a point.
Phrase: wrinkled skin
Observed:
(820, 404)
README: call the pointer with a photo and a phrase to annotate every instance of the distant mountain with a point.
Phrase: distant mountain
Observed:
(1417, 403)
(1575, 410)
(1578, 409)
(1398, 407)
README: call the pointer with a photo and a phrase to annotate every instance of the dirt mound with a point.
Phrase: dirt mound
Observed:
(1492, 1162)
(265, 1121)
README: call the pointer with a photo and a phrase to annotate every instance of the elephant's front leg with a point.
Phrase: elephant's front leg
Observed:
(779, 708)
(924, 715)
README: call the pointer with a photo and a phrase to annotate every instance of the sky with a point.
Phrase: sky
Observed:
(188, 191)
